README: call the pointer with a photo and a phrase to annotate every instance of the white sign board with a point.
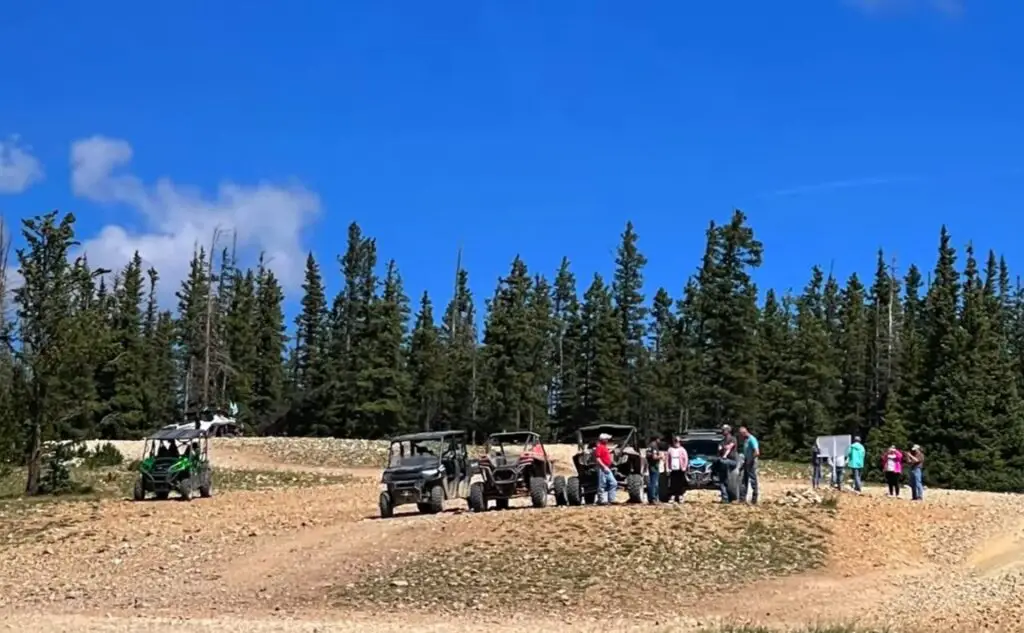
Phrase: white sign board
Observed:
(834, 447)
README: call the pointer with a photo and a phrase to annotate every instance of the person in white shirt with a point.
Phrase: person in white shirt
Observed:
(677, 461)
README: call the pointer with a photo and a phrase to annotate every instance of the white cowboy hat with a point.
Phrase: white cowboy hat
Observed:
(604, 436)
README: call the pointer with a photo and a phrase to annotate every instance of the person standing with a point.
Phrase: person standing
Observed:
(892, 467)
(678, 462)
(838, 467)
(916, 460)
(726, 462)
(654, 471)
(855, 461)
(815, 466)
(606, 484)
(751, 453)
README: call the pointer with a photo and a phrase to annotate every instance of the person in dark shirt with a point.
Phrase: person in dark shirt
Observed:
(726, 462)
(915, 459)
(815, 466)
(654, 459)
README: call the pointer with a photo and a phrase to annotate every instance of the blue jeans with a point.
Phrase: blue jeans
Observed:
(837, 478)
(606, 486)
(749, 482)
(916, 484)
(654, 485)
(725, 467)
(856, 478)
(815, 474)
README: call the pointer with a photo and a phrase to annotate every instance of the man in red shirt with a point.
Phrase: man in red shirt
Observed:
(606, 484)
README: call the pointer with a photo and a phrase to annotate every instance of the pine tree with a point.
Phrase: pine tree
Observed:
(814, 375)
(565, 393)
(268, 370)
(459, 341)
(659, 400)
(509, 352)
(775, 368)
(853, 398)
(628, 299)
(603, 392)
(383, 379)
(426, 367)
(942, 373)
(126, 412)
(45, 309)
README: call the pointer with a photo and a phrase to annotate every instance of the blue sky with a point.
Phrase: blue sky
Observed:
(531, 127)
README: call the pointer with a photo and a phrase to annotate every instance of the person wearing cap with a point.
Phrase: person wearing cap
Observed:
(751, 453)
(855, 461)
(915, 458)
(726, 462)
(606, 484)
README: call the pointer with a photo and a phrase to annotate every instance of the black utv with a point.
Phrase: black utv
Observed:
(628, 464)
(426, 469)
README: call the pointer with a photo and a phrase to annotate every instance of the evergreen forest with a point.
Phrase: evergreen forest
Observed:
(933, 355)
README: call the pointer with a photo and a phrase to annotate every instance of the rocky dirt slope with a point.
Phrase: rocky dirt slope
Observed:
(313, 557)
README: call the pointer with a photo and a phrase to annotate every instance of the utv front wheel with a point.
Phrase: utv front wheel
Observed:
(185, 489)
(538, 492)
(139, 493)
(573, 493)
(436, 499)
(387, 508)
(560, 489)
(635, 488)
(477, 501)
(206, 487)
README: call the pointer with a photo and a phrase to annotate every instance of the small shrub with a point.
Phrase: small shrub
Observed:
(104, 455)
(56, 475)
(133, 466)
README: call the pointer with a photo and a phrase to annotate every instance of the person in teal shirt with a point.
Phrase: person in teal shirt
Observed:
(751, 453)
(855, 461)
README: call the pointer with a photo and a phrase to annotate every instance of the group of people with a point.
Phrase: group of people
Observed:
(893, 463)
(674, 461)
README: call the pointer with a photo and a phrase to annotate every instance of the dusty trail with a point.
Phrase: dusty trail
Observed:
(269, 560)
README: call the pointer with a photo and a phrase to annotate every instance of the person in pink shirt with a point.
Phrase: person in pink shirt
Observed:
(892, 467)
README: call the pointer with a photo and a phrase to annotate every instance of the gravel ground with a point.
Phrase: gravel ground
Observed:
(313, 557)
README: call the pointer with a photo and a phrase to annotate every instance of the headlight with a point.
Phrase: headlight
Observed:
(430, 473)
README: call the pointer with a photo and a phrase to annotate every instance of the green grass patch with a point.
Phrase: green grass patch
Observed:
(556, 561)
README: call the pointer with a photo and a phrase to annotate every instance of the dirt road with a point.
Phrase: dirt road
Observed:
(315, 558)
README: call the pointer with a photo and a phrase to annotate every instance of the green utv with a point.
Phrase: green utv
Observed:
(175, 459)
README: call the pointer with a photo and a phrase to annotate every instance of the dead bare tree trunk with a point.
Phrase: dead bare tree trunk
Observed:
(209, 319)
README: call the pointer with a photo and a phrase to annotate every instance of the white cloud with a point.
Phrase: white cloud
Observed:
(264, 217)
(19, 169)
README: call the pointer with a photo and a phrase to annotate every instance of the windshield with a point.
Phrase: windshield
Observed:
(701, 448)
(414, 453)
(509, 447)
